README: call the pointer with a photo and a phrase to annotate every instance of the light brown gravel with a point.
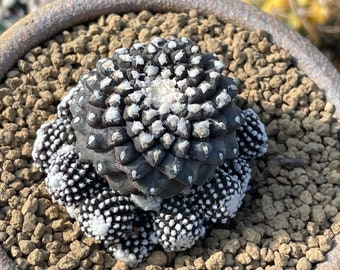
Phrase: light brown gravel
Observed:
(289, 216)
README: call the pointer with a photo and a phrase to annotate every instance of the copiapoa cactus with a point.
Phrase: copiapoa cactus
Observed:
(149, 148)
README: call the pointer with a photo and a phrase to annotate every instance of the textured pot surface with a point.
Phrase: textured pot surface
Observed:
(59, 15)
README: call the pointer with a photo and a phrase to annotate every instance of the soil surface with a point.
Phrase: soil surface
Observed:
(291, 212)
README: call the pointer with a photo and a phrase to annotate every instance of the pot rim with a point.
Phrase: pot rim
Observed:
(60, 15)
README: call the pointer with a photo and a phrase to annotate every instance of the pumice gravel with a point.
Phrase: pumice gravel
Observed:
(290, 211)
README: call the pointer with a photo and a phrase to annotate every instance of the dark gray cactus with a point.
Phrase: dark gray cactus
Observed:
(149, 148)
(219, 199)
(251, 136)
(107, 216)
(138, 245)
(178, 224)
(156, 118)
(50, 137)
(69, 181)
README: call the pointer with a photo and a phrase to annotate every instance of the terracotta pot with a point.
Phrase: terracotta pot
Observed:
(59, 15)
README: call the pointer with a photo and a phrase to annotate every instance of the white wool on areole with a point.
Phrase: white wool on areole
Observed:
(163, 90)
(218, 65)
(172, 120)
(151, 48)
(116, 136)
(147, 203)
(214, 74)
(179, 70)
(99, 226)
(125, 256)
(194, 108)
(53, 180)
(105, 82)
(145, 139)
(195, 49)
(92, 78)
(222, 99)
(179, 55)
(182, 126)
(184, 39)
(202, 129)
(122, 155)
(164, 108)
(233, 87)
(205, 149)
(190, 179)
(91, 116)
(237, 119)
(149, 114)
(76, 120)
(117, 74)
(151, 70)
(138, 45)
(114, 99)
(168, 138)
(126, 57)
(190, 91)
(133, 110)
(137, 127)
(91, 139)
(156, 154)
(139, 60)
(204, 86)
(136, 96)
(121, 50)
(193, 72)
(165, 73)
(196, 60)
(182, 84)
(157, 41)
(208, 107)
(107, 64)
(162, 59)
(112, 114)
(172, 44)
(135, 74)
(157, 127)
(123, 86)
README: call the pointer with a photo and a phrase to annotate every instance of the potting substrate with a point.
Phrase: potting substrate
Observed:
(290, 214)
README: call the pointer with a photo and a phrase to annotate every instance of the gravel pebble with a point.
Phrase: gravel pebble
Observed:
(303, 264)
(79, 250)
(37, 256)
(232, 246)
(69, 261)
(281, 236)
(335, 227)
(215, 261)
(243, 258)
(26, 246)
(318, 215)
(315, 255)
(158, 258)
(253, 250)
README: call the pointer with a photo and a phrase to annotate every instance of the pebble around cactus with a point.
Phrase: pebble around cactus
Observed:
(154, 147)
